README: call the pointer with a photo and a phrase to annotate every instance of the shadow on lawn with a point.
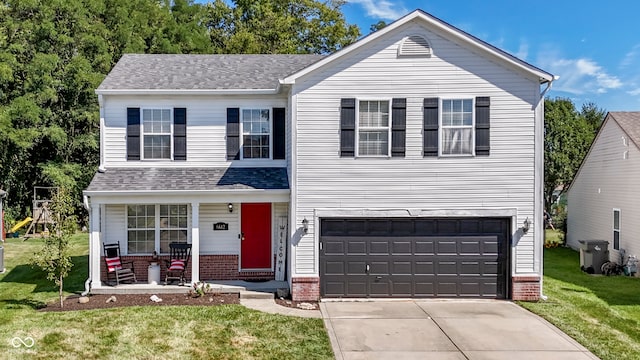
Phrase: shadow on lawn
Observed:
(563, 264)
(27, 274)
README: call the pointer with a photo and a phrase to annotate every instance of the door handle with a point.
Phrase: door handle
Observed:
(367, 268)
(241, 236)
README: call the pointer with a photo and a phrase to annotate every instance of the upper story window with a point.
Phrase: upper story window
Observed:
(457, 127)
(156, 124)
(157, 134)
(373, 128)
(256, 134)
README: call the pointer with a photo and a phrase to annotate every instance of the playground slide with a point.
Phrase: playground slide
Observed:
(22, 223)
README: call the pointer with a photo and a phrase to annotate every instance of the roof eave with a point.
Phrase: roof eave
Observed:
(189, 91)
(440, 25)
(183, 192)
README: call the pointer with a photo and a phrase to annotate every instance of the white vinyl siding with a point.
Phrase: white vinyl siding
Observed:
(206, 128)
(505, 179)
(606, 181)
(219, 242)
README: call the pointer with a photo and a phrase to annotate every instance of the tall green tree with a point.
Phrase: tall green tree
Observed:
(568, 134)
(279, 26)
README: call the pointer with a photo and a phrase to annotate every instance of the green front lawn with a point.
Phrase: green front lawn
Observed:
(602, 313)
(179, 332)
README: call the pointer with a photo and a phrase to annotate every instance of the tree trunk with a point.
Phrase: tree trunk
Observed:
(60, 293)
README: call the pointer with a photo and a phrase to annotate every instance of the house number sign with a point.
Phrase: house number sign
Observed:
(221, 226)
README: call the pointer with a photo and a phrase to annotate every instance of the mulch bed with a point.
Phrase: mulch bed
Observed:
(99, 301)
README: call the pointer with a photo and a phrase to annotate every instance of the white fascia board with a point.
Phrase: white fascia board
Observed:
(434, 24)
(188, 91)
(123, 196)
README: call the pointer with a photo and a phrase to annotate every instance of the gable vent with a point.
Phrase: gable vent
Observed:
(414, 46)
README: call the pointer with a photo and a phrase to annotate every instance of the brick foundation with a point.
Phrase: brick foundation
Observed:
(525, 288)
(212, 267)
(305, 289)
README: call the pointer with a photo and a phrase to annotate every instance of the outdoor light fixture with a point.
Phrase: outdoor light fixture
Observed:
(305, 225)
(526, 225)
(230, 206)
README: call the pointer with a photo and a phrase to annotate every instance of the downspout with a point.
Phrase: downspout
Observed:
(542, 95)
(87, 283)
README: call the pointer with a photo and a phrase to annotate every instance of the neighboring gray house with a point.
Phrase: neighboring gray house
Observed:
(603, 201)
(408, 164)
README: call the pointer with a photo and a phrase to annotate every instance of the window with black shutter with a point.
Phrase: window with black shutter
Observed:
(482, 126)
(430, 126)
(180, 134)
(398, 127)
(233, 134)
(133, 133)
(347, 127)
(279, 133)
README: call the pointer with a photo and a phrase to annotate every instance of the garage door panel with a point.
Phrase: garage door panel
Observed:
(424, 268)
(356, 267)
(446, 247)
(424, 247)
(402, 267)
(470, 268)
(357, 247)
(380, 288)
(334, 268)
(378, 247)
(379, 268)
(400, 247)
(423, 257)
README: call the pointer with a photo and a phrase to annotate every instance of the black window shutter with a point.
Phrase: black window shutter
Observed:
(482, 125)
(233, 134)
(279, 134)
(398, 127)
(430, 118)
(180, 134)
(133, 133)
(347, 127)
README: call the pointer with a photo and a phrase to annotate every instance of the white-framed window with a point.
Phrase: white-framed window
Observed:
(373, 128)
(156, 132)
(616, 229)
(457, 136)
(256, 134)
(153, 227)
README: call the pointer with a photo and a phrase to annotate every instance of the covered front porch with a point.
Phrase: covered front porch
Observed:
(235, 232)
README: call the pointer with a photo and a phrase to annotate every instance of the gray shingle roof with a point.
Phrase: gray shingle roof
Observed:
(203, 72)
(629, 121)
(189, 179)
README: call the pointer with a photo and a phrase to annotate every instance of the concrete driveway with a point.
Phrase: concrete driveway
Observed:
(444, 330)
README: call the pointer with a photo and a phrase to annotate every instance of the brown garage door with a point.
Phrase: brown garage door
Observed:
(422, 257)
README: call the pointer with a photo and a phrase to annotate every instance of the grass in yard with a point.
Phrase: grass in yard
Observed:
(183, 332)
(600, 312)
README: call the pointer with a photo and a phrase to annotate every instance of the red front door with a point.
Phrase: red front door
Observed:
(255, 244)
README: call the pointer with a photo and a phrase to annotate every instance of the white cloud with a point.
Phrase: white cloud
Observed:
(382, 9)
(630, 57)
(579, 76)
(634, 92)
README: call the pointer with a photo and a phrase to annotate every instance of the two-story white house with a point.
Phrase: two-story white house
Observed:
(409, 164)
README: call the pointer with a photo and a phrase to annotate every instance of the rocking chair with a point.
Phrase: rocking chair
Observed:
(117, 269)
(179, 254)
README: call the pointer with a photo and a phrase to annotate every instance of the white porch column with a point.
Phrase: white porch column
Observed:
(95, 245)
(195, 242)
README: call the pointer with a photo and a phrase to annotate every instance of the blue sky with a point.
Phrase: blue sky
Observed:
(592, 45)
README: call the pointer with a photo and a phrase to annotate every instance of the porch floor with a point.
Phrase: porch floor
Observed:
(227, 286)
